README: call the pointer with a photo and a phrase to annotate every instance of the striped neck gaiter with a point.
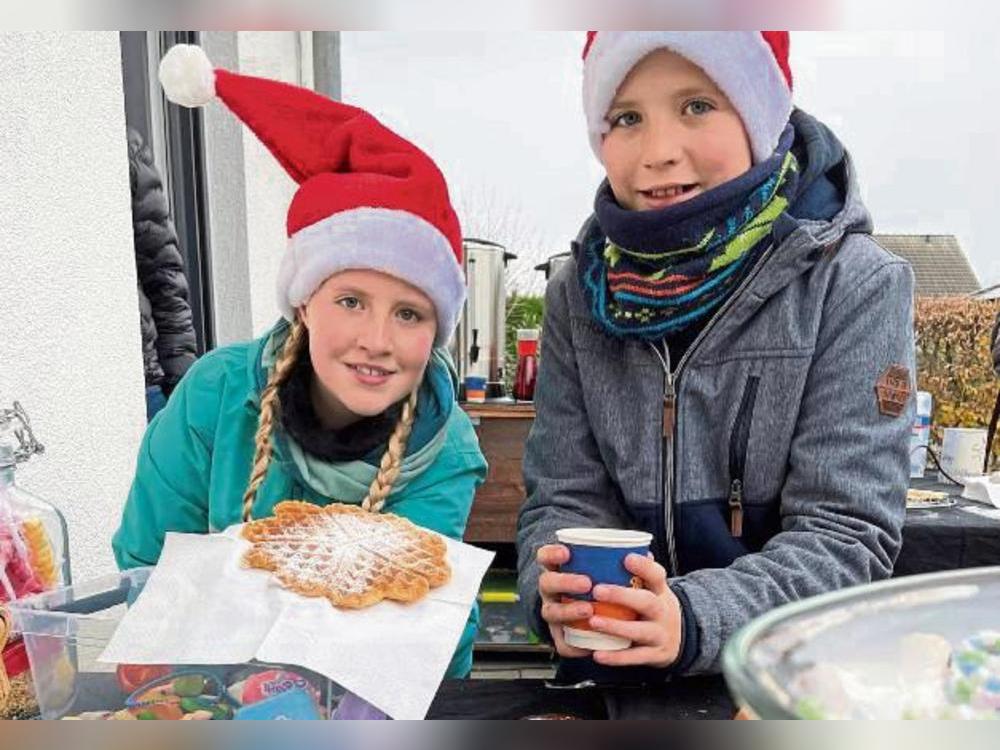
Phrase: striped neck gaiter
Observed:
(654, 273)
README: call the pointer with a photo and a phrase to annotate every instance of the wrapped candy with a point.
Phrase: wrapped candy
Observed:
(975, 673)
(181, 695)
(29, 561)
(40, 554)
(18, 578)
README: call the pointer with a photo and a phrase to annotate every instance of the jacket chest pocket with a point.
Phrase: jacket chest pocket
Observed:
(759, 442)
(737, 424)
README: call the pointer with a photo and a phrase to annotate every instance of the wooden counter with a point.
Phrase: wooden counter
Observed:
(502, 430)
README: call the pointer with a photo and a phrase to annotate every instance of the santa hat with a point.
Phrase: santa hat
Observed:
(367, 198)
(749, 67)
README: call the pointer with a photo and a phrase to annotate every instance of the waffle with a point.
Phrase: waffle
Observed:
(928, 499)
(351, 556)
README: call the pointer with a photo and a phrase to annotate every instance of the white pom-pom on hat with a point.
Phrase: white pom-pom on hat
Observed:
(187, 75)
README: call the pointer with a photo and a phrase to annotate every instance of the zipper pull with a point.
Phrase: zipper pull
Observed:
(669, 402)
(736, 509)
(669, 397)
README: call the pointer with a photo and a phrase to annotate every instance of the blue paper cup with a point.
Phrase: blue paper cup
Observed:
(475, 389)
(600, 555)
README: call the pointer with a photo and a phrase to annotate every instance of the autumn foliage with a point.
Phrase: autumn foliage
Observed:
(954, 362)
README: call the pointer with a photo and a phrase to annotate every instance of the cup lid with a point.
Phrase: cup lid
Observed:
(594, 537)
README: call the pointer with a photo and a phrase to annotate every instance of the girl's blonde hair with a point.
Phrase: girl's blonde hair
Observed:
(389, 467)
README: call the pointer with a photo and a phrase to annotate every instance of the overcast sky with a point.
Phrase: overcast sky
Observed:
(501, 114)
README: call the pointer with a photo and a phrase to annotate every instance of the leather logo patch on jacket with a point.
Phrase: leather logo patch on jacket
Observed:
(893, 390)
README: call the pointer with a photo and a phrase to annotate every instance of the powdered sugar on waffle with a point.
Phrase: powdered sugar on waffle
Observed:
(351, 556)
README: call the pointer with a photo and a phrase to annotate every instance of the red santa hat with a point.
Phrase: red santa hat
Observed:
(749, 67)
(367, 198)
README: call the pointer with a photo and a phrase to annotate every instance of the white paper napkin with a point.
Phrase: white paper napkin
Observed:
(983, 489)
(201, 607)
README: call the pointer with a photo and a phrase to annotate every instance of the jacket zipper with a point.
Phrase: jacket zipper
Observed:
(666, 515)
(671, 385)
(738, 446)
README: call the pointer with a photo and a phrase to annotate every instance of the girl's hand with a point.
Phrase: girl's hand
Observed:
(552, 585)
(656, 635)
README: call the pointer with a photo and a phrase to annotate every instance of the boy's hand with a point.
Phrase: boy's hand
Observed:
(656, 635)
(552, 585)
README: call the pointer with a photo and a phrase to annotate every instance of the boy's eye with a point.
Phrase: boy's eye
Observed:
(699, 107)
(625, 119)
(350, 303)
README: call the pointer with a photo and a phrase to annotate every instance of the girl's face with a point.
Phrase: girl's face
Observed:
(673, 135)
(370, 338)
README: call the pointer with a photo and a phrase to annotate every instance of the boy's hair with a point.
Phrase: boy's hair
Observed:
(392, 459)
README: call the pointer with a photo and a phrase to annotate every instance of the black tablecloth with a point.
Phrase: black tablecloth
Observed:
(947, 538)
(683, 698)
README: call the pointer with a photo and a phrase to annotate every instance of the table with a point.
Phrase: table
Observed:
(502, 430)
(683, 698)
(966, 535)
(703, 697)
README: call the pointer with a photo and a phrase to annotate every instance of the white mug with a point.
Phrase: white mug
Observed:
(963, 452)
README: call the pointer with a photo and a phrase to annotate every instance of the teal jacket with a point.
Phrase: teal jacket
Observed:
(194, 463)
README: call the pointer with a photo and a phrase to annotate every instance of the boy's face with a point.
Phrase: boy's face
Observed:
(370, 338)
(673, 135)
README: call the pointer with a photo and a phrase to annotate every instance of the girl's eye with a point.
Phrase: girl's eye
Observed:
(625, 119)
(699, 107)
(409, 315)
(350, 303)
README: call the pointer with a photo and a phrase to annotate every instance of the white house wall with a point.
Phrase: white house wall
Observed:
(70, 348)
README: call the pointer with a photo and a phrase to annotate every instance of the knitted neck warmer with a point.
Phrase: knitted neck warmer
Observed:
(655, 273)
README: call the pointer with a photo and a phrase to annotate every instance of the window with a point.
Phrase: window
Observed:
(175, 135)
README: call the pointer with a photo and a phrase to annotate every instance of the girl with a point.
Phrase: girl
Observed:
(350, 397)
(726, 363)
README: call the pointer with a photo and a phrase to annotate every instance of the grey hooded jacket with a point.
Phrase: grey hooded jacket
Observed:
(774, 409)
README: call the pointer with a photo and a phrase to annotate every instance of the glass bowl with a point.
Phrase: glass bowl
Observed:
(925, 646)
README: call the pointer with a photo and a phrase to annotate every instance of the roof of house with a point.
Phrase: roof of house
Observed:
(939, 263)
(990, 292)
